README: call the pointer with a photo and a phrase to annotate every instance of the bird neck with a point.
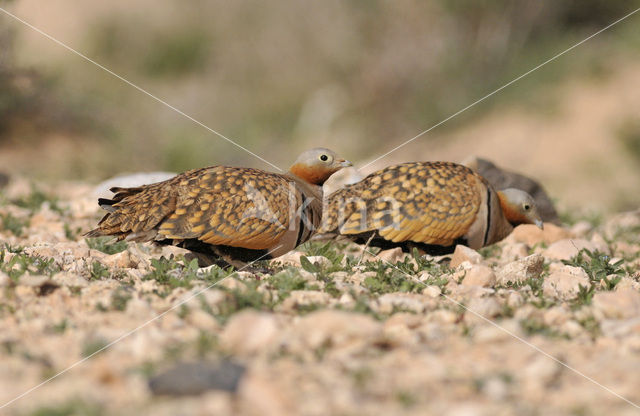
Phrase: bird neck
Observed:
(510, 212)
(499, 226)
(309, 174)
(309, 188)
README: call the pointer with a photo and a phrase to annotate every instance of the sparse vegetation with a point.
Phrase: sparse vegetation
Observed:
(106, 245)
(21, 263)
(599, 267)
(75, 407)
(13, 224)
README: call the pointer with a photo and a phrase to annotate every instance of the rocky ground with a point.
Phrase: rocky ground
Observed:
(545, 322)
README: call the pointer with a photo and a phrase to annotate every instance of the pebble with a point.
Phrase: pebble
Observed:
(249, 332)
(619, 304)
(464, 253)
(531, 235)
(519, 271)
(564, 282)
(299, 298)
(190, 378)
(414, 302)
(392, 256)
(479, 275)
(566, 249)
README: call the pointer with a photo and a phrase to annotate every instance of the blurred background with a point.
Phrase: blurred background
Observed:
(358, 76)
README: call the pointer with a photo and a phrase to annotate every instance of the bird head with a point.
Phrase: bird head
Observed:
(519, 207)
(316, 165)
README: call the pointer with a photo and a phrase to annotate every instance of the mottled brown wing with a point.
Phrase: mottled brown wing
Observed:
(431, 203)
(238, 207)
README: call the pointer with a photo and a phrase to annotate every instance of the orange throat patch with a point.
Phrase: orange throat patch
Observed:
(310, 174)
(511, 213)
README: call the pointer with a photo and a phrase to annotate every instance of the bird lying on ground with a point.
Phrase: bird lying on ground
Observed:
(237, 215)
(428, 205)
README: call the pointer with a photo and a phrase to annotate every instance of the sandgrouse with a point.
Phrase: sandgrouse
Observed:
(233, 214)
(428, 205)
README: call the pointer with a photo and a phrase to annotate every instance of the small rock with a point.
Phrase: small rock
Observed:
(479, 308)
(514, 251)
(564, 282)
(260, 396)
(392, 256)
(197, 377)
(600, 243)
(410, 320)
(299, 298)
(291, 259)
(519, 271)
(406, 301)
(581, 229)
(479, 275)
(515, 299)
(566, 249)
(249, 332)
(432, 291)
(464, 253)
(120, 260)
(555, 316)
(319, 260)
(69, 280)
(540, 371)
(621, 304)
(202, 320)
(531, 235)
(618, 328)
(627, 283)
(334, 328)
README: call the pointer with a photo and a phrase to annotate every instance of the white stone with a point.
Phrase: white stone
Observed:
(479, 275)
(249, 332)
(564, 282)
(519, 271)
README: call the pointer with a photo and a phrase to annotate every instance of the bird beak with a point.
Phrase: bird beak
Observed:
(539, 223)
(344, 163)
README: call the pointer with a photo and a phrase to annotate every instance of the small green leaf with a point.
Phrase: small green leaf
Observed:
(308, 266)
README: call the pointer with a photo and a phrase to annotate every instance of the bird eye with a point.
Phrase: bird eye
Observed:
(526, 207)
(324, 158)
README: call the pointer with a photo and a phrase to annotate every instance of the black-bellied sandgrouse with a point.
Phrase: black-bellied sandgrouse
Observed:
(502, 179)
(230, 213)
(429, 205)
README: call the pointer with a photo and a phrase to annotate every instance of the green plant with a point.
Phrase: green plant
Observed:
(173, 274)
(98, 271)
(248, 296)
(599, 267)
(22, 263)
(533, 326)
(585, 296)
(75, 407)
(34, 200)
(106, 245)
(287, 280)
(93, 346)
(119, 299)
(13, 224)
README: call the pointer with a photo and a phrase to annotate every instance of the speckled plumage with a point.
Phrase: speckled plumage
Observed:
(432, 204)
(228, 212)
